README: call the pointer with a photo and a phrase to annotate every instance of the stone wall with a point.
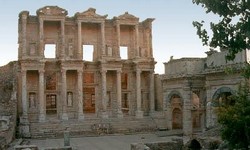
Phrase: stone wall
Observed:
(8, 110)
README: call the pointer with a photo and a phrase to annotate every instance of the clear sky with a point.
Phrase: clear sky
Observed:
(173, 32)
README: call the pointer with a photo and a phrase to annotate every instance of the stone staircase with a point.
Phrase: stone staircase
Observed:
(92, 127)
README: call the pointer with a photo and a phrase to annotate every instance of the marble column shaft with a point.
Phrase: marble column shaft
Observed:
(79, 25)
(24, 93)
(119, 94)
(64, 95)
(118, 34)
(24, 25)
(103, 37)
(80, 95)
(137, 41)
(152, 92)
(104, 90)
(42, 113)
(62, 38)
(41, 44)
(138, 89)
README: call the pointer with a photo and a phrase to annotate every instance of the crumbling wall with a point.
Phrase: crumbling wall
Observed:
(8, 101)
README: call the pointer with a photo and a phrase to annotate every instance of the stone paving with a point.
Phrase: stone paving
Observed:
(111, 142)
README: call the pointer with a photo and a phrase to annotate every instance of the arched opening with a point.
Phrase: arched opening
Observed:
(177, 119)
(196, 115)
(176, 107)
(222, 97)
(194, 145)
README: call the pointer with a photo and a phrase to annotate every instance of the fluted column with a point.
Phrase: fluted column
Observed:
(24, 94)
(79, 35)
(152, 92)
(119, 95)
(80, 96)
(103, 37)
(137, 41)
(118, 38)
(41, 43)
(139, 113)
(104, 94)
(64, 95)
(42, 113)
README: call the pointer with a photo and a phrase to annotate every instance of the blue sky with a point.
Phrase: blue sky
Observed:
(173, 33)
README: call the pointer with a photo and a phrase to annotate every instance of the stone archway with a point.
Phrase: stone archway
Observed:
(176, 111)
(194, 145)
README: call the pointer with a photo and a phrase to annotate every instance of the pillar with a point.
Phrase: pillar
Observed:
(103, 37)
(152, 92)
(41, 43)
(187, 114)
(118, 38)
(80, 96)
(64, 95)
(24, 95)
(24, 122)
(24, 25)
(137, 41)
(119, 95)
(62, 39)
(79, 25)
(104, 94)
(42, 113)
(139, 112)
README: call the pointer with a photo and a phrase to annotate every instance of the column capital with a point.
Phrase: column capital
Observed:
(23, 71)
(119, 70)
(79, 71)
(138, 71)
(63, 70)
(103, 71)
(41, 70)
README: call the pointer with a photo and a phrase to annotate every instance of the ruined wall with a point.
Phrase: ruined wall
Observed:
(8, 101)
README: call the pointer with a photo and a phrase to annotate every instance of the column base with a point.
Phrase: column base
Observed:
(139, 114)
(65, 116)
(24, 127)
(80, 116)
(119, 114)
(42, 118)
(104, 115)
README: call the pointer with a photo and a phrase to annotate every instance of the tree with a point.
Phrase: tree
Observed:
(232, 32)
(235, 120)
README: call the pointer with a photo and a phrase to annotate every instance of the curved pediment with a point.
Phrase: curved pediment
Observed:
(90, 13)
(127, 16)
(52, 11)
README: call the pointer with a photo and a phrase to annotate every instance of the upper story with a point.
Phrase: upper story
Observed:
(88, 36)
(215, 62)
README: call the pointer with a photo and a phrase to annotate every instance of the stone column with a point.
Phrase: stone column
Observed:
(24, 24)
(41, 43)
(152, 92)
(104, 94)
(79, 25)
(187, 114)
(42, 113)
(118, 39)
(103, 37)
(119, 95)
(62, 39)
(64, 95)
(137, 41)
(80, 96)
(139, 112)
(24, 122)
(24, 95)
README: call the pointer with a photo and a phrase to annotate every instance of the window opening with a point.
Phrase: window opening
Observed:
(88, 52)
(124, 52)
(50, 51)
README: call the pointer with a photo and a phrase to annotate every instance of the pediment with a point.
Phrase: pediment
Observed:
(127, 16)
(52, 11)
(90, 13)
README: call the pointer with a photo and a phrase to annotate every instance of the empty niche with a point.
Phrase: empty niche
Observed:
(50, 51)
(88, 52)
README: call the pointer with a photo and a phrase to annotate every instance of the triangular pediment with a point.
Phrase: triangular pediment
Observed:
(52, 11)
(90, 13)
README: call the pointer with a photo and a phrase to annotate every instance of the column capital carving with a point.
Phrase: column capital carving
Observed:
(79, 71)
(63, 70)
(23, 71)
(119, 70)
(138, 71)
(41, 71)
(103, 71)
